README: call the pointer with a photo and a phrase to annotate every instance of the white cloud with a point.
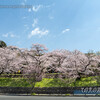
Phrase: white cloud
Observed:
(10, 34)
(35, 22)
(5, 35)
(36, 8)
(29, 10)
(39, 32)
(66, 30)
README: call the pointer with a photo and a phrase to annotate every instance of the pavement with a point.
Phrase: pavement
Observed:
(8, 97)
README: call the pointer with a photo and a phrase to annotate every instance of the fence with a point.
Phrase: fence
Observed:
(51, 90)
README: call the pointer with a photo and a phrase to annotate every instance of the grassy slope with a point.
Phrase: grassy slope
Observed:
(20, 82)
(90, 81)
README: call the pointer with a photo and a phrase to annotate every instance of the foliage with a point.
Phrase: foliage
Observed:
(33, 93)
(2, 44)
(67, 94)
(14, 82)
(21, 82)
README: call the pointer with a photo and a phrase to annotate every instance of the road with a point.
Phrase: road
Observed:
(46, 98)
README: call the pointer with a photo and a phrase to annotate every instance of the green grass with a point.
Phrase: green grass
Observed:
(90, 81)
(51, 83)
(21, 82)
(14, 82)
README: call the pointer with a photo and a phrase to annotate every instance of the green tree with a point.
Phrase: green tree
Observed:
(2, 44)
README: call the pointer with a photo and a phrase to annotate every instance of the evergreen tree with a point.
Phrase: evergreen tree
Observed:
(2, 44)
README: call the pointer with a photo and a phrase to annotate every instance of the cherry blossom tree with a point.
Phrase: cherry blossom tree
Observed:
(29, 62)
(61, 61)
(8, 64)
(84, 62)
(33, 68)
(72, 64)
(77, 64)
(54, 60)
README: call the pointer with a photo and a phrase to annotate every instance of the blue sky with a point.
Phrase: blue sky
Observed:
(58, 24)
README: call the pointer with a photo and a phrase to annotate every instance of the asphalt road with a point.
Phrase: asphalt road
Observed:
(46, 98)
